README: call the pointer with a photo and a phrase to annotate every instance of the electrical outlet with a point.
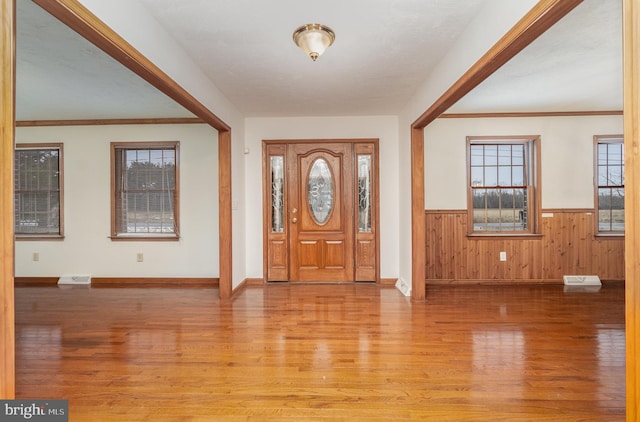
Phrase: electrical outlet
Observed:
(36, 256)
(503, 256)
(140, 257)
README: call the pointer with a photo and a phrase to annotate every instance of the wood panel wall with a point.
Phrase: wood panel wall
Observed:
(567, 246)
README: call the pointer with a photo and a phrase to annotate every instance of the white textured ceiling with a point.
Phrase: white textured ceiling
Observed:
(574, 66)
(62, 76)
(245, 48)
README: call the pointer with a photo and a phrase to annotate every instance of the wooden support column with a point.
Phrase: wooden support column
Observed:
(418, 236)
(631, 26)
(7, 130)
(225, 210)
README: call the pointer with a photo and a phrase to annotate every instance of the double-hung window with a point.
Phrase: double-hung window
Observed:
(145, 190)
(503, 176)
(38, 188)
(610, 184)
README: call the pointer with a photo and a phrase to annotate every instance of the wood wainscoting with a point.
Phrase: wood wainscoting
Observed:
(567, 245)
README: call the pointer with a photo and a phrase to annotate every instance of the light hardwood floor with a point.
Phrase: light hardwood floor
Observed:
(324, 352)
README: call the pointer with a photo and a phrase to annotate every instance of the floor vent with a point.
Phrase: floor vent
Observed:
(582, 280)
(404, 288)
(75, 279)
(582, 283)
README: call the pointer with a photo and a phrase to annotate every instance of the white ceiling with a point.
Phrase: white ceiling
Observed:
(62, 76)
(245, 48)
(574, 66)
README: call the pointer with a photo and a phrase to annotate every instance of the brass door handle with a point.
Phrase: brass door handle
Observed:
(294, 220)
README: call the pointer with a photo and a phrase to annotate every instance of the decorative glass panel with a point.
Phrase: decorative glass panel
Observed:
(364, 193)
(320, 192)
(277, 194)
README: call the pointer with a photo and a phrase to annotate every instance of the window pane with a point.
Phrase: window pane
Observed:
(605, 213)
(493, 210)
(364, 193)
(491, 176)
(518, 176)
(479, 209)
(490, 155)
(506, 198)
(277, 194)
(615, 152)
(602, 154)
(615, 175)
(504, 176)
(602, 176)
(504, 155)
(477, 176)
(477, 155)
(604, 198)
(517, 154)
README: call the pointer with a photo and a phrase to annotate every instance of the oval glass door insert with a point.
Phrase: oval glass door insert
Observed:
(320, 191)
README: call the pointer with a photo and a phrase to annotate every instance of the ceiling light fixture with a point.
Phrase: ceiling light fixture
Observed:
(313, 39)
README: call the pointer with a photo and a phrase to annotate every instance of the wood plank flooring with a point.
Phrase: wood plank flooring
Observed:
(324, 352)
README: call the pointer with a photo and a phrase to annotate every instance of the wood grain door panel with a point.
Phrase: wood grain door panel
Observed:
(321, 250)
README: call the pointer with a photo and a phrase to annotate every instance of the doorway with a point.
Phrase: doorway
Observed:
(321, 208)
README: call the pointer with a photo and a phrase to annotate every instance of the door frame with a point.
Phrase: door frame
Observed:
(266, 196)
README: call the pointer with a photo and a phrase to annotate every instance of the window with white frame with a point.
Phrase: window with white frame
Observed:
(503, 177)
(38, 191)
(610, 184)
(145, 190)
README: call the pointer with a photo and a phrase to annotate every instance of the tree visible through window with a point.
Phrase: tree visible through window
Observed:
(145, 190)
(38, 190)
(502, 185)
(610, 183)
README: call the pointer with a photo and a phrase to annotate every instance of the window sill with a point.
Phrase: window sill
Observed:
(144, 238)
(38, 237)
(605, 236)
(489, 236)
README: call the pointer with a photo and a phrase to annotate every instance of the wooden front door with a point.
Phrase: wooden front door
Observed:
(320, 212)
(322, 223)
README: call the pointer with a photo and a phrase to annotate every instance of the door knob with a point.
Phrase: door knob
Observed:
(294, 210)
(294, 220)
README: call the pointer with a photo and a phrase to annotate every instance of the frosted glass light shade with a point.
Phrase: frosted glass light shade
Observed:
(313, 39)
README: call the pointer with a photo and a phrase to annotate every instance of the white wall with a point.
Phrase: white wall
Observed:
(86, 247)
(566, 156)
(384, 128)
